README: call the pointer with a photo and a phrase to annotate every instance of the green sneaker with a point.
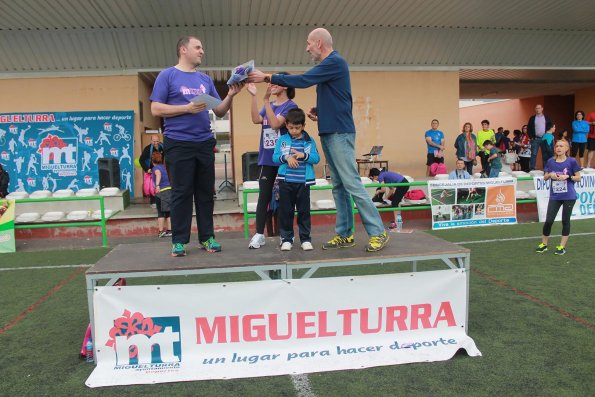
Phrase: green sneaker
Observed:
(376, 243)
(339, 242)
(178, 249)
(560, 250)
(211, 245)
(541, 248)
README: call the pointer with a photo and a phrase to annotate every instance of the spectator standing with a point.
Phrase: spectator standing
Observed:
(580, 130)
(435, 142)
(147, 165)
(336, 128)
(536, 128)
(493, 159)
(564, 172)
(272, 119)
(547, 143)
(189, 143)
(296, 154)
(524, 148)
(163, 195)
(466, 144)
(485, 134)
(591, 138)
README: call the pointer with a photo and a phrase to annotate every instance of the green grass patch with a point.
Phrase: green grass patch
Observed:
(529, 349)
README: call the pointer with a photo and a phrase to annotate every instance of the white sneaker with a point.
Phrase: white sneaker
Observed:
(257, 241)
(286, 246)
(307, 246)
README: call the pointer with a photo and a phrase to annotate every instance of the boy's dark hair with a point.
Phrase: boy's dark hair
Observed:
(488, 142)
(485, 122)
(549, 125)
(516, 132)
(373, 172)
(506, 132)
(296, 116)
(290, 90)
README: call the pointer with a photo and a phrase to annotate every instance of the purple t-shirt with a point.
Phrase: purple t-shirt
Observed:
(268, 136)
(175, 87)
(164, 182)
(390, 177)
(562, 190)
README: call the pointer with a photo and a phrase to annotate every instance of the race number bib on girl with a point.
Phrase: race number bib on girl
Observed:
(559, 186)
(269, 138)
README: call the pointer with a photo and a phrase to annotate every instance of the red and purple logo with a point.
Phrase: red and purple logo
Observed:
(32, 142)
(114, 152)
(89, 141)
(13, 129)
(107, 126)
(5, 155)
(145, 340)
(31, 182)
(87, 179)
(58, 154)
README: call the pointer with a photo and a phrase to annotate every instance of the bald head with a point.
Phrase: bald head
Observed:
(323, 35)
(319, 44)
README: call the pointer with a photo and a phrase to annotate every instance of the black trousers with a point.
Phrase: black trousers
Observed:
(398, 195)
(553, 206)
(266, 180)
(294, 197)
(191, 169)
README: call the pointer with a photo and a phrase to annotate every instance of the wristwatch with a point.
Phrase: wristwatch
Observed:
(267, 78)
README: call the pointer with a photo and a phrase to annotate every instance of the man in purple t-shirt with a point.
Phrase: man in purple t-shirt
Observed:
(536, 127)
(189, 143)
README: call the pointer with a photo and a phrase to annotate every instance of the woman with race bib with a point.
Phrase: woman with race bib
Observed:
(563, 172)
(272, 118)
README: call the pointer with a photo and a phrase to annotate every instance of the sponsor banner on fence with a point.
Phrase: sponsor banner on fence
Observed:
(585, 198)
(472, 202)
(59, 150)
(170, 333)
(7, 242)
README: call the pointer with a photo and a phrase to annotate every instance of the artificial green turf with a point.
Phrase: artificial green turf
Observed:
(528, 349)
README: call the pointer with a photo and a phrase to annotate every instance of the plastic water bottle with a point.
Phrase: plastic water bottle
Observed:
(89, 351)
(399, 222)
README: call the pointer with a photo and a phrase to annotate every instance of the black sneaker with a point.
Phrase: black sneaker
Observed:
(560, 250)
(541, 248)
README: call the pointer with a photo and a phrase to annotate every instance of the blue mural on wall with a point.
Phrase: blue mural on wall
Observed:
(59, 150)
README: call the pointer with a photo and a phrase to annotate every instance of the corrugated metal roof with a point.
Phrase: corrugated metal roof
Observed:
(128, 35)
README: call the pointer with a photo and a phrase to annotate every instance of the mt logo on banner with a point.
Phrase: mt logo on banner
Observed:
(58, 154)
(145, 340)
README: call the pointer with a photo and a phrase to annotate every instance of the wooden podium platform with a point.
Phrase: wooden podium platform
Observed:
(153, 259)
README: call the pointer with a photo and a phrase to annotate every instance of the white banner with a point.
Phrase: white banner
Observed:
(585, 202)
(170, 333)
(472, 202)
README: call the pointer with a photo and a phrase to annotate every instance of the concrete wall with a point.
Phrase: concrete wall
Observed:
(514, 113)
(393, 109)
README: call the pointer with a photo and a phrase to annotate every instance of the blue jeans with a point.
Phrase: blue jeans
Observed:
(339, 150)
(537, 143)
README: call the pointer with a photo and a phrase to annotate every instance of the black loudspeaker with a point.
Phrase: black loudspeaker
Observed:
(250, 166)
(109, 172)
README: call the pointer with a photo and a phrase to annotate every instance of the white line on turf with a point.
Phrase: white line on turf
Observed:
(302, 385)
(4, 269)
(516, 238)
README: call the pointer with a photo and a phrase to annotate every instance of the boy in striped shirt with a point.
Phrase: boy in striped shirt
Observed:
(296, 155)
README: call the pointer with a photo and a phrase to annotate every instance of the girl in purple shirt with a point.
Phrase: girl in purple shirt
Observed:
(563, 172)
